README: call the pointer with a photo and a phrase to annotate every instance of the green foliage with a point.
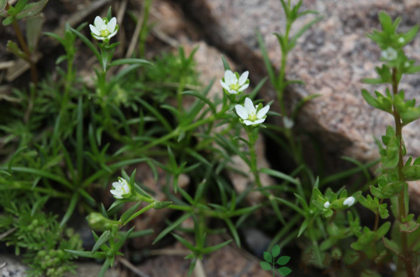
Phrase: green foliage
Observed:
(76, 137)
(169, 70)
(392, 182)
(39, 234)
(270, 261)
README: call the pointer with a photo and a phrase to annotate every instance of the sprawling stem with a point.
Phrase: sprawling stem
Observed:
(401, 197)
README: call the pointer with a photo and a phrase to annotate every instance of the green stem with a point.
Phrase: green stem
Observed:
(181, 208)
(148, 207)
(377, 216)
(401, 197)
(69, 81)
(274, 267)
(143, 30)
(253, 136)
(179, 95)
(209, 213)
(176, 132)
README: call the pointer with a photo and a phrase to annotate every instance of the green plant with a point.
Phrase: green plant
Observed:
(270, 261)
(79, 136)
(27, 227)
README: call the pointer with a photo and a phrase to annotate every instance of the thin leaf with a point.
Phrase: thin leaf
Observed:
(79, 138)
(225, 63)
(171, 227)
(156, 114)
(233, 231)
(70, 209)
(291, 205)
(266, 59)
(302, 31)
(101, 240)
(185, 242)
(88, 44)
(129, 61)
(279, 174)
(104, 268)
(215, 247)
(202, 98)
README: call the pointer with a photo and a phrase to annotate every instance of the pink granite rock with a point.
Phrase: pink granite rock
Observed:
(331, 58)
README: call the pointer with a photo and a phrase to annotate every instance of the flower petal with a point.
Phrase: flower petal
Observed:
(244, 87)
(98, 22)
(243, 78)
(231, 91)
(112, 24)
(98, 37)
(94, 30)
(241, 111)
(232, 78)
(259, 121)
(229, 77)
(112, 34)
(248, 122)
(116, 194)
(226, 87)
(249, 106)
(261, 113)
(126, 189)
(349, 201)
(116, 185)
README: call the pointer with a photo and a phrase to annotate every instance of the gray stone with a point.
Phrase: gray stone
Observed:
(331, 59)
(11, 266)
(226, 262)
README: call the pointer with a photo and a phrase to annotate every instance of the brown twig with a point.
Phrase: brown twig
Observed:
(132, 267)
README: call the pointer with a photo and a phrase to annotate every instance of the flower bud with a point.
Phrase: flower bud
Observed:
(98, 222)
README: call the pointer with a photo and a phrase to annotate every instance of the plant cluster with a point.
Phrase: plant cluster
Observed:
(65, 140)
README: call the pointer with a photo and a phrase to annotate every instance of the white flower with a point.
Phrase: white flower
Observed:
(389, 54)
(121, 189)
(349, 201)
(249, 113)
(326, 204)
(102, 29)
(406, 64)
(288, 123)
(401, 40)
(232, 84)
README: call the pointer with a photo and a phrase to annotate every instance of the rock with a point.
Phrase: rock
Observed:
(235, 263)
(11, 266)
(331, 58)
(93, 269)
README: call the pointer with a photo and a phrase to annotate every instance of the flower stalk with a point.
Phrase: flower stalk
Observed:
(401, 197)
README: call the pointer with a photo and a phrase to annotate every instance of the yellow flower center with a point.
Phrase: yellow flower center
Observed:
(252, 117)
(234, 87)
(104, 33)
